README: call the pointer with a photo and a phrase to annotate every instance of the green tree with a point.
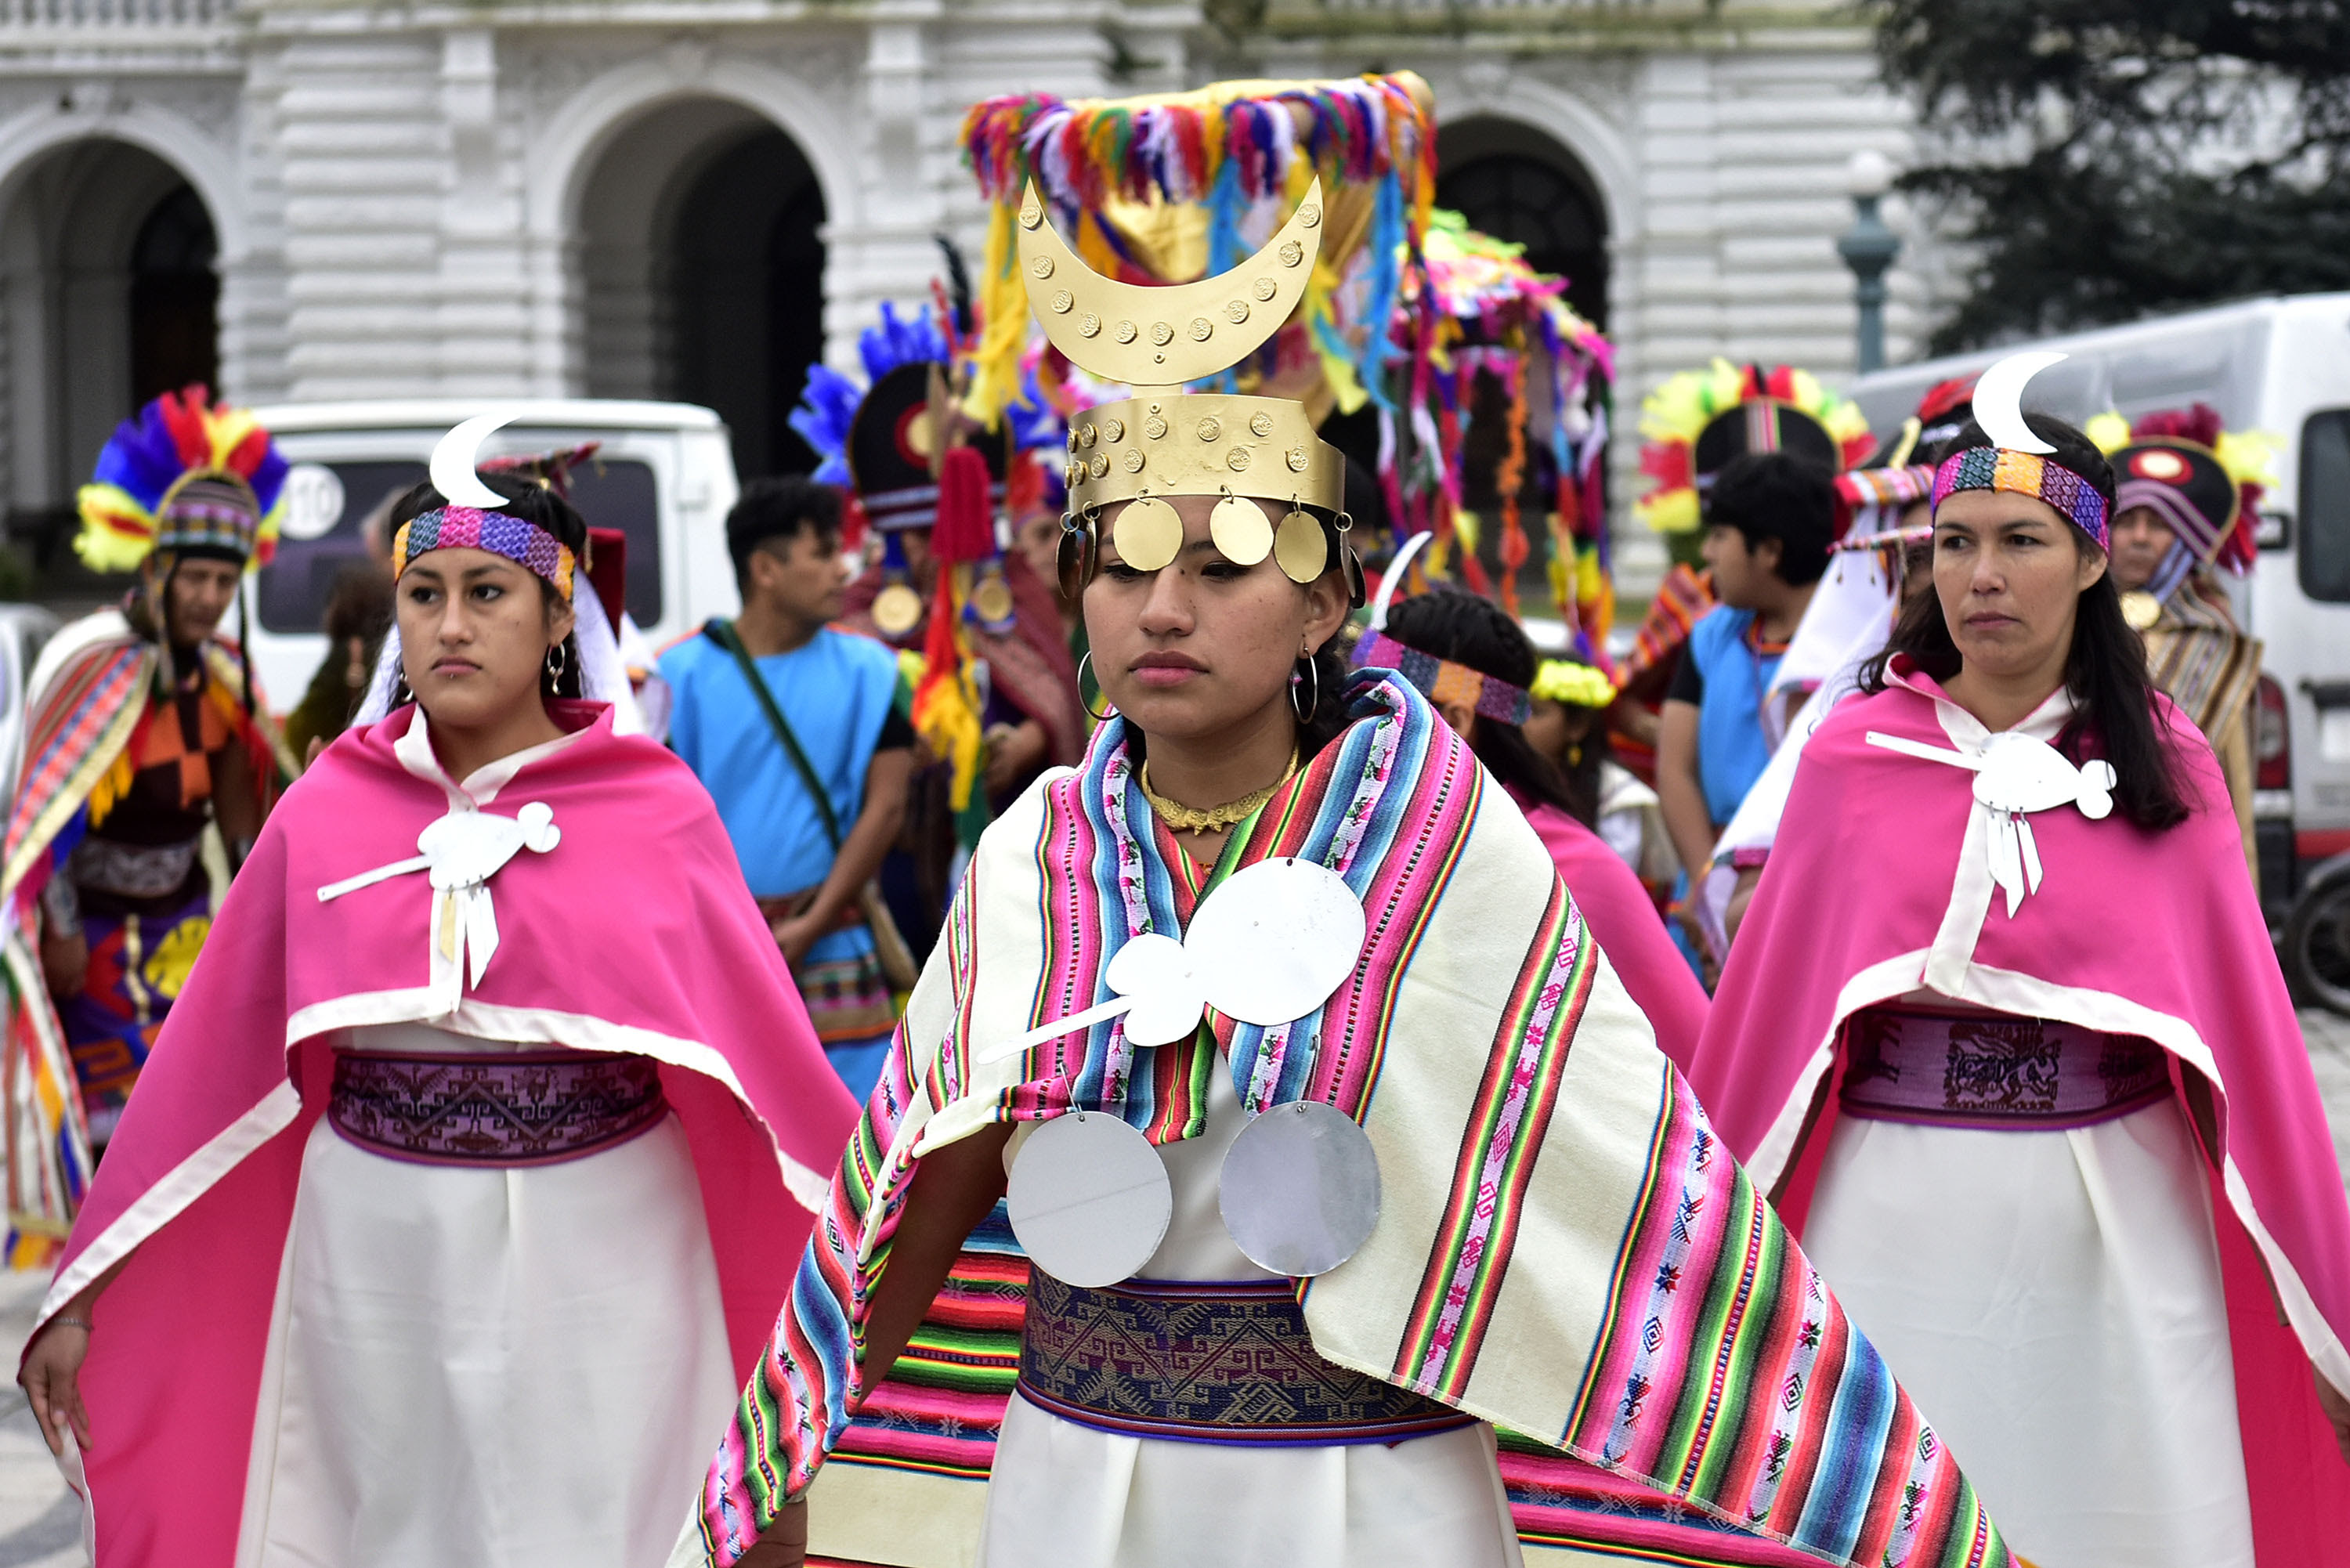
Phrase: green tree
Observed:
(2116, 157)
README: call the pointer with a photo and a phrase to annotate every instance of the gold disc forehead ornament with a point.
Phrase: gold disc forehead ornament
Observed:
(1149, 532)
(1242, 533)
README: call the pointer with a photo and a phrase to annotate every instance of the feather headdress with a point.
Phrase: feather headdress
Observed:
(1700, 420)
(183, 474)
(2204, 480)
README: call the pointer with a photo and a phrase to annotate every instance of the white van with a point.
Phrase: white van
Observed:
(2280, 365)
(664, 476)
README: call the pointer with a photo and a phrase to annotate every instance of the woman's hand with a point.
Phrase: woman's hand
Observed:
(64, 964)
(786, 1543)
(1013, 752)
(2336, 1406)
(51, 1378)
(796, 934)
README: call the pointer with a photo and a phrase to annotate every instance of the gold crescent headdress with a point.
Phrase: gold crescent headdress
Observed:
(1164, 442)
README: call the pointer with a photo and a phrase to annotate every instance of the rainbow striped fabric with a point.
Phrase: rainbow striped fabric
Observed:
(1565, 1248)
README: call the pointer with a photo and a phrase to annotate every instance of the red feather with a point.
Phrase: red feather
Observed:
(182, 415)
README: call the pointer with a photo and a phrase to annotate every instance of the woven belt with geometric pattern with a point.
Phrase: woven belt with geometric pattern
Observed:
(532, 1108)
(1204, 1362)
(1993, 1070)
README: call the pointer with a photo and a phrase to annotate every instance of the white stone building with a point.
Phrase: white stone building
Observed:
(693, 198)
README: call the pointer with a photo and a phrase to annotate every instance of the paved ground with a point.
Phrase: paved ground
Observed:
(40, 1523)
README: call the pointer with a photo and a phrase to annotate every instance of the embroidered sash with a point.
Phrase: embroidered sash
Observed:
(1978, 1070)
(1204, 1362)
(533, 1107)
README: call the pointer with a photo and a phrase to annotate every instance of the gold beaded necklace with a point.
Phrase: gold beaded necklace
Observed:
(1184, 819)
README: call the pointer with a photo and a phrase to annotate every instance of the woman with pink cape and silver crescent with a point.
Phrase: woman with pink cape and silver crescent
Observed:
(465, 1178)
(2003, 1028)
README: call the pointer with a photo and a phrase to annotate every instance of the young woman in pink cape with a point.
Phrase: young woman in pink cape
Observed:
(2004, 1014)
(462, 1186)
(1477, 665)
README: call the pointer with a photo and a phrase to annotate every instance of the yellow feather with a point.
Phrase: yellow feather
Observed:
(2108, 432)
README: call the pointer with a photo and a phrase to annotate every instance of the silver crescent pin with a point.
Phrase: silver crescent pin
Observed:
(1999, 400)
(453, 460)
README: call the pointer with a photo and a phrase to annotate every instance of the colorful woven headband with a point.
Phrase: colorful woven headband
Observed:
(2022, 474)
(464, 528)
(1444, 681)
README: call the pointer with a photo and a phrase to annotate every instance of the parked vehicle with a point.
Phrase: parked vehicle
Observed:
(664, 476)
(24, 630)
(2279, 365)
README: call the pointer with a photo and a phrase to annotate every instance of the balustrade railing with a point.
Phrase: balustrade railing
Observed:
(110, 15)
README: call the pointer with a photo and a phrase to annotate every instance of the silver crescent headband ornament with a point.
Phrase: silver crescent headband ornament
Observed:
(454, 459)
(1999, 398)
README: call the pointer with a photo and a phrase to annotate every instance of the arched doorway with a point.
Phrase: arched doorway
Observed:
(1517, 184)
(701, 272)
(109, 260)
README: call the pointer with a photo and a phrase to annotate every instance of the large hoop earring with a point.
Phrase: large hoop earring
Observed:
(1306, 714)
(557, 659)
(1084, 664)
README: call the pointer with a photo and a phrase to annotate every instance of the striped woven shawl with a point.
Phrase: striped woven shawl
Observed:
(1565, 1248)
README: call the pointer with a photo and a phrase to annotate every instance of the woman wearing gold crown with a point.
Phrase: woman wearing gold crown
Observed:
(1359, 1210)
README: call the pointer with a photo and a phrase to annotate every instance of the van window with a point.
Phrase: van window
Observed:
(619, 493)
(294, 587)
(2325, 506)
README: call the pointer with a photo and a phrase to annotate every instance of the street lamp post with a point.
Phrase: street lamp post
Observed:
(1869, 248)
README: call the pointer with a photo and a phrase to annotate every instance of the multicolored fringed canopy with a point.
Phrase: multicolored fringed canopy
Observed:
(1475, 307)
(1155, 189)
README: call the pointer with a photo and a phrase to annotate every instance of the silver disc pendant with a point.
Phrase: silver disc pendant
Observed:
(1090, 1198)
(1300, 1189)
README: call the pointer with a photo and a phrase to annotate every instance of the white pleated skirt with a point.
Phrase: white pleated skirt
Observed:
(2052, 1301)
(519, 1367)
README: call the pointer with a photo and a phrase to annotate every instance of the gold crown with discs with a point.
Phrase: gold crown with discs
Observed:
(1165, 441)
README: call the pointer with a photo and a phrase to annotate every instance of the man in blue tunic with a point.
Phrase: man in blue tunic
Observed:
(810, 767)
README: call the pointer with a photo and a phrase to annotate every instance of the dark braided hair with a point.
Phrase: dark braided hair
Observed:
(2113, 697)
(1449, 623)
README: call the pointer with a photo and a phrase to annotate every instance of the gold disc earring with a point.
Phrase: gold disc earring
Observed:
(1148, 533)
(1300, 547)
(1242, 533)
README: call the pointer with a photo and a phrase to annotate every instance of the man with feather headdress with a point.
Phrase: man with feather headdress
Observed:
(2186, 495)
(146, 730)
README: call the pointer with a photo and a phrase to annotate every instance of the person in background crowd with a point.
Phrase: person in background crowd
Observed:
(147, 729)
(1769, 521)
(2186, 498)
(794, 729)
(1475, 664)
(1029, 715)
(460, 1187)
(358, 613)
(2005, 1016)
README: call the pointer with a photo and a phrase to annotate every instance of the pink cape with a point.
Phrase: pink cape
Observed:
(1631, 933)
(2157, 935)
(635, 933)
